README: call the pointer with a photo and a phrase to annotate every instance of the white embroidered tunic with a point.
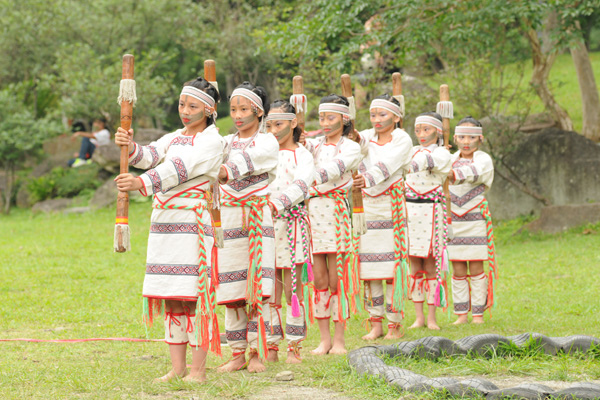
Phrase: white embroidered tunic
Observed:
(177, 164)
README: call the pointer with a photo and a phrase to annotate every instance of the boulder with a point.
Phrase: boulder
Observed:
(554, 219)
(23, 197)
(106, 195)
(52, 205)
(563, 167)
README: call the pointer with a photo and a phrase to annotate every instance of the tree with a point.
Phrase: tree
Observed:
(21, 137)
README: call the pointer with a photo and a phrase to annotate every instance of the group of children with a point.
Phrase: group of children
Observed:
(239, 220)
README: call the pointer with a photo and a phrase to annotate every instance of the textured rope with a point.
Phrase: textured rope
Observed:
(400, 228)
(343, 242)
(207, 300)
(296, 215)
(493, 272)
(254, 292)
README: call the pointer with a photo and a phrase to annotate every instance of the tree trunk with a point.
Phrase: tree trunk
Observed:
(542, 63)
(10, 173)
(590, 101)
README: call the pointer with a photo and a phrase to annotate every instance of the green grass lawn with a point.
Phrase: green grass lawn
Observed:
(61, 280)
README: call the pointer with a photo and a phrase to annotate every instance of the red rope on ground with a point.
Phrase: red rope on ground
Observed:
(81, 340)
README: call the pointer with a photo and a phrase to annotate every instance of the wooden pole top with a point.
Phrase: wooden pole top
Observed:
(298, 85)
(346, 86)
(127, 67)
(210, 70)
(396, 84)
(444, 93)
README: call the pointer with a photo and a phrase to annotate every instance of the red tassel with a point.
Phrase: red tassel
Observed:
(214, 276)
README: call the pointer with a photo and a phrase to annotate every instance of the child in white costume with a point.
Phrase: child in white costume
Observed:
(471, 176)
(426, 208)
(289, 190)
(383, 249)
(246, 264)
(335, 157)
(180, 168)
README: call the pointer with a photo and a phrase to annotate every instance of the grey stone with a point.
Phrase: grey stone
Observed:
(108, 157)
(76, 210)
(23, 197)
(285, 376)
(52, 205)
(554, 219)
(106, 195)
(562, 166)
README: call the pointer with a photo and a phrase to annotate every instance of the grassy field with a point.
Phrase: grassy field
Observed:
(61, 280)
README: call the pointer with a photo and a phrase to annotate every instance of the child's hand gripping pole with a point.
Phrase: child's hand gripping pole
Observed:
(127, 100)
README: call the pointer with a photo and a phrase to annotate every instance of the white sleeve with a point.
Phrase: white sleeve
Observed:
(183, 166)
(263, 157)
(347, 159)
(396, 158)
(436, 161)
(480, 171)
(146, 157)
(304, 177)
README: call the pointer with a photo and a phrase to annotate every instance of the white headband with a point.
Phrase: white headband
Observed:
(198, 94)
(428, 120)
(250, 95)
(388, 105)
(334, 108)
(281, 116)
(468, 130)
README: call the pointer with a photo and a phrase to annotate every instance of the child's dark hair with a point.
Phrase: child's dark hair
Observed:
(337, 99)
(288, 108)
(260, 92)
(469, 120)
(392, 100)
(202, 84)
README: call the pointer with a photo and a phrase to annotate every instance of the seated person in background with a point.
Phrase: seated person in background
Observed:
(100, 136)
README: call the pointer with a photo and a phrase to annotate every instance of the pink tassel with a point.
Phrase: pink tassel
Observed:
(445, 260)
(437, 299)
(295, 306)
(309, 270)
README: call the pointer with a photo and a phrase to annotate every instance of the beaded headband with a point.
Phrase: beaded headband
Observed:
(281, 116)
(388, 105)
(250, 95)
(428, 120)
(468, 130)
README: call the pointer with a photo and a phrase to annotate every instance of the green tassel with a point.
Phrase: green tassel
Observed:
(304, 276)
(146, 314)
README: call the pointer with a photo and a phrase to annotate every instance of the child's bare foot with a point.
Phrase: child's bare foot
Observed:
(375, 333)
(462, 319)
(432, 323)
(171, 375)
(324, 348)
(338, 349)
(293, 357)
(419, 323)
(255, 364)
(273, 355)
(196, 377)
(477, 319)
(395, 331)
(236, 363)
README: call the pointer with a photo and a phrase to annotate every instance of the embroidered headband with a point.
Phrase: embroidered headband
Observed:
(468, 130)
(335, 108)
(250, 95)
(281, 116)
(431, 121)
(198, 94)
(388, 105)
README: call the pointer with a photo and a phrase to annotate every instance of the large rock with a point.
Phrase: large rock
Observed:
(106, 195)
(564, 167)
(554, 219)
(23, 197)
(53, 205)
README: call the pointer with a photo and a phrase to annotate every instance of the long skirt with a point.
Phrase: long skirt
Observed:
(470, 237)
(377, 245)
